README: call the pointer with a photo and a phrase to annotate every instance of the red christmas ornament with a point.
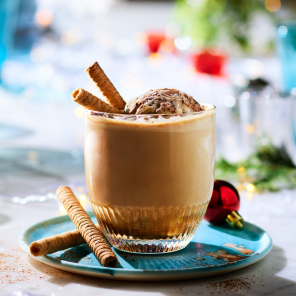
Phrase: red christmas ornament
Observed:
(224, 205)
(209, 62)
(154, 40)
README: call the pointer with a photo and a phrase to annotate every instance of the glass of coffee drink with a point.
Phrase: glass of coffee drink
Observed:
(150, 177)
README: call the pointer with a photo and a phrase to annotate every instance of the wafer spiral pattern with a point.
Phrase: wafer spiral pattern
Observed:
(88, 230)
(91, 102)
(58, 242)
(97, 75)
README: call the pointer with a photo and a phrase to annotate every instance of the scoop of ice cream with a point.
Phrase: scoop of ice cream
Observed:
(164, 101)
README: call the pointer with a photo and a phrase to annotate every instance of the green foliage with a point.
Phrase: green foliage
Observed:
(269, 168)
(210, 20)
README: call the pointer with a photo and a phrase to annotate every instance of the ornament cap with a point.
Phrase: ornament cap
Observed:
(235, 220)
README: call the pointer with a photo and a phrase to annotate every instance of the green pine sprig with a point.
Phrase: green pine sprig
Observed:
(268, 168)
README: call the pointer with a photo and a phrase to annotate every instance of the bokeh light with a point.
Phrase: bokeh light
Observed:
(253, 68)
(82, 197)
(79, 111)
(246, 95)
(80, 189)
(239, 80)
(273, 5)
(44, 17)
(167, 45)
(250, 187)
(283, 31)
(249, 128)
(62, 209)
(71, 36)
(229, 101)
(241, 171)
(183, 42)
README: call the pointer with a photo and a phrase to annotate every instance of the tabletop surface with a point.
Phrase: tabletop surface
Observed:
(274, 275)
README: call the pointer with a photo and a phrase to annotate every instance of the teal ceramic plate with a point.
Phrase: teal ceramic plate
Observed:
(214, 250)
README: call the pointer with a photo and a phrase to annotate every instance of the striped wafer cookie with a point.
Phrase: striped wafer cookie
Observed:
(58, 242)
(106, 87)
(88, 230)
(91, 102)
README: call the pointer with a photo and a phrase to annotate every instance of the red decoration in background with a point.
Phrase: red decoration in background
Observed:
(225, 199)
(209, 62)
(154, 40)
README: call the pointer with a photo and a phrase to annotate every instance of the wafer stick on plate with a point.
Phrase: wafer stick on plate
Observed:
(56, 243)
(106, 87)
(87, 229)
(91, 102)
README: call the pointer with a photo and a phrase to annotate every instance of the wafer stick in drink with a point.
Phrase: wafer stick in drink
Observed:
(87, 229)
(106, 87)
(91, 102)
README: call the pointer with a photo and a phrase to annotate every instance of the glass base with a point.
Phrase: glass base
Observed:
(149, 230)
(146, 246)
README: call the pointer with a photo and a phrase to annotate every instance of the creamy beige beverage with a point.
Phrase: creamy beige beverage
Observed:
(150, 178)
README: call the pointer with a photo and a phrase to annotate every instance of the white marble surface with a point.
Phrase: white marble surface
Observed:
(274, 275)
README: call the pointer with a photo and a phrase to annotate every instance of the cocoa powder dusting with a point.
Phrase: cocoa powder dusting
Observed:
(221, 254)
(164, 101)
(247, 285)
(15, 269)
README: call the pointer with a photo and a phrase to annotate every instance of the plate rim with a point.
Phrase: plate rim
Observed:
(100, 271)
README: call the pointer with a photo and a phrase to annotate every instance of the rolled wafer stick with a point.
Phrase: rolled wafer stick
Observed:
(91, 102)
(56, 243)
(97, 75)
(87, 229)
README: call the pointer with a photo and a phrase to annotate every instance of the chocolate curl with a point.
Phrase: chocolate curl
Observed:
(91, 102)
(86, 227)
(97, 75)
